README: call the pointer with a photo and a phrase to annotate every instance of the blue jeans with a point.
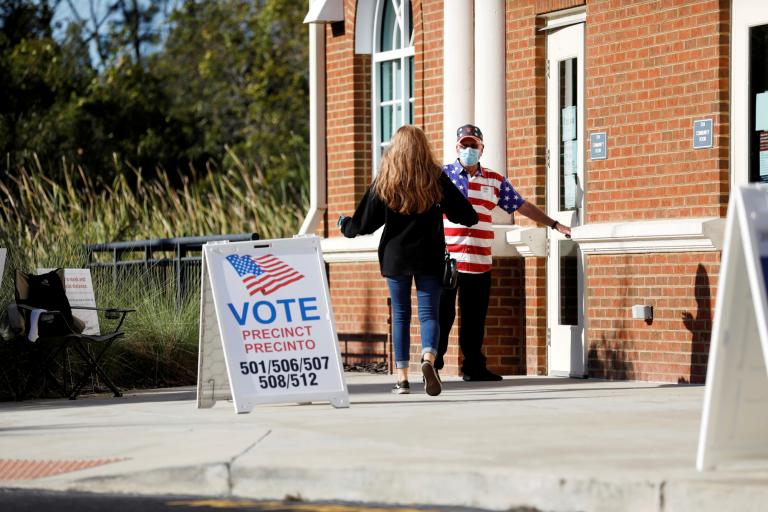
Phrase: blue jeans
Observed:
(428, 290)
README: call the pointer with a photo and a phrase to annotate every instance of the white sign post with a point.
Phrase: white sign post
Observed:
(734, 426)
(79, 288)
(267, 332)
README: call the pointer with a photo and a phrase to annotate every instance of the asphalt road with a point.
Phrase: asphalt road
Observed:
(13, 500)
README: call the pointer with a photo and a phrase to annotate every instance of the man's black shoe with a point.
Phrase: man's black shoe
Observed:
(432, 384)
(484, 375)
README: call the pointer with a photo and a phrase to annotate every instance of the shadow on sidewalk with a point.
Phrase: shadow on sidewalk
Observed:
(518, 386)
(101, 400)
(455, 391)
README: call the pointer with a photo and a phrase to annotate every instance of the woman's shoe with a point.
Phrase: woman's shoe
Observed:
(432, 383)
(402, 388)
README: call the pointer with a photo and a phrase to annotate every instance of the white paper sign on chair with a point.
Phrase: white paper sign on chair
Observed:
(79, 287)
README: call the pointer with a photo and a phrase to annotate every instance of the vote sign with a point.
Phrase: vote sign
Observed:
(275, 323)
(734, 426)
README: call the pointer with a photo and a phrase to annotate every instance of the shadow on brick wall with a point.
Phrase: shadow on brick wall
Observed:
(605, 362)
(700, 327)
(608, 358)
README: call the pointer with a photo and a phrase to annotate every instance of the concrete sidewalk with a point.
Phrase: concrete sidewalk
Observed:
(552, 444)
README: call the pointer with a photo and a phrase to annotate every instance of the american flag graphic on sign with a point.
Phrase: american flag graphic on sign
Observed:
(264, 274)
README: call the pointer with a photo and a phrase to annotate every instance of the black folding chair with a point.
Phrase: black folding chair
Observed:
(47, 322)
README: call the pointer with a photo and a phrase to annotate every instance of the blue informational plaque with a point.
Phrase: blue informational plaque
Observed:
(598, 146)
(702, 134)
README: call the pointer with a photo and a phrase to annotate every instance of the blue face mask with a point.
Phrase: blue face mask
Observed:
(469, 156)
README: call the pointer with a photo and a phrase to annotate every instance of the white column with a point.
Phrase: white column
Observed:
(458, 71)
(490, 81)
(317, 167)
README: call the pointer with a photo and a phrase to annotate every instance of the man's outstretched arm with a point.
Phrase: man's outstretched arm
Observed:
(532, 212)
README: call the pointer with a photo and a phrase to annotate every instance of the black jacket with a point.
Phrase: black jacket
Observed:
(410, 244)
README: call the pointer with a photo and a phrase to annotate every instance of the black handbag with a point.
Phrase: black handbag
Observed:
(450, 272)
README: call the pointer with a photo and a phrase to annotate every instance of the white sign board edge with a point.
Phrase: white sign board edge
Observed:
(223, 279)
(3, 252)
(79, 287)
(212, 378)
(734, 427)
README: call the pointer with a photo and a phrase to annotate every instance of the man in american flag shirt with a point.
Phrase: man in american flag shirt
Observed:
(471, 247)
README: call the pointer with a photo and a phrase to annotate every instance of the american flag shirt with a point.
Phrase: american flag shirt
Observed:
(471, 246)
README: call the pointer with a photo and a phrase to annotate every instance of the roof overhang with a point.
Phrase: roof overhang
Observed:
(325, 11)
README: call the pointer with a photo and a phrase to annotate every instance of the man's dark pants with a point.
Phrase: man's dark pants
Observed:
(474, 291)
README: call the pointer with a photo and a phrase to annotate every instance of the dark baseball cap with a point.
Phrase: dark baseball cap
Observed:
(469, 131)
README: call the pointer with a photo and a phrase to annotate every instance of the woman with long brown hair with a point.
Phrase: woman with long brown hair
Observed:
(409, 197)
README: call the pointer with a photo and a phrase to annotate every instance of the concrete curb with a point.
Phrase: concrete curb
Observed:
(493, 489)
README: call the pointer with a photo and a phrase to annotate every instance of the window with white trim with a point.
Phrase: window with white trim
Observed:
(392, 73)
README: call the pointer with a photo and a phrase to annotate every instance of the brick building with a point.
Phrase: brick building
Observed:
(629, 120)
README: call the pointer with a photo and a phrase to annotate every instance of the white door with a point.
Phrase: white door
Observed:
(565, 200)
(749, 92)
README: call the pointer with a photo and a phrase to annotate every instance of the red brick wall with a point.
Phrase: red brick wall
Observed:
(545, 6)
(504, 327)
(359, 297)
(652, 69)
(674, 346)
(348, 123)
(525, 73)
(535, 321)
(526, 158)
(428, 31)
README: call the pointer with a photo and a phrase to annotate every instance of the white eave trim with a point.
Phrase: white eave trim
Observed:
(675, 235)
(360, 249)
(528, 241)
(339, 249)
(656, 236)
(325, 11)
(563, 18)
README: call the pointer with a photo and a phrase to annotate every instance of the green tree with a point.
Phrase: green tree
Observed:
(238, 72)
(228, 81)
(40, 76)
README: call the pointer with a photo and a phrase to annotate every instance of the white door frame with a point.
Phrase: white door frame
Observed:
(566, 349)
(745, 14)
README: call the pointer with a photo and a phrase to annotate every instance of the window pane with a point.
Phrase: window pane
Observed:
(385, 71)
(398, 79)
(569, 284)
(411, 74)
(758, 104)
(410, 112)
(398, 29)
(568, 135)
(398, 115)
(410, 23)
(386, 123)
(387, 25)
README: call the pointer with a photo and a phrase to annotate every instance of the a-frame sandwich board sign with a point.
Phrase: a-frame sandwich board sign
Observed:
(267, 331)
(734, 426)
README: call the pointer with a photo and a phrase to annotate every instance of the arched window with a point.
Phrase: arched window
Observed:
(392, 72)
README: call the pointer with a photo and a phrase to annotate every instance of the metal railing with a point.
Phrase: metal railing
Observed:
(179, 260)
(365, 349)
